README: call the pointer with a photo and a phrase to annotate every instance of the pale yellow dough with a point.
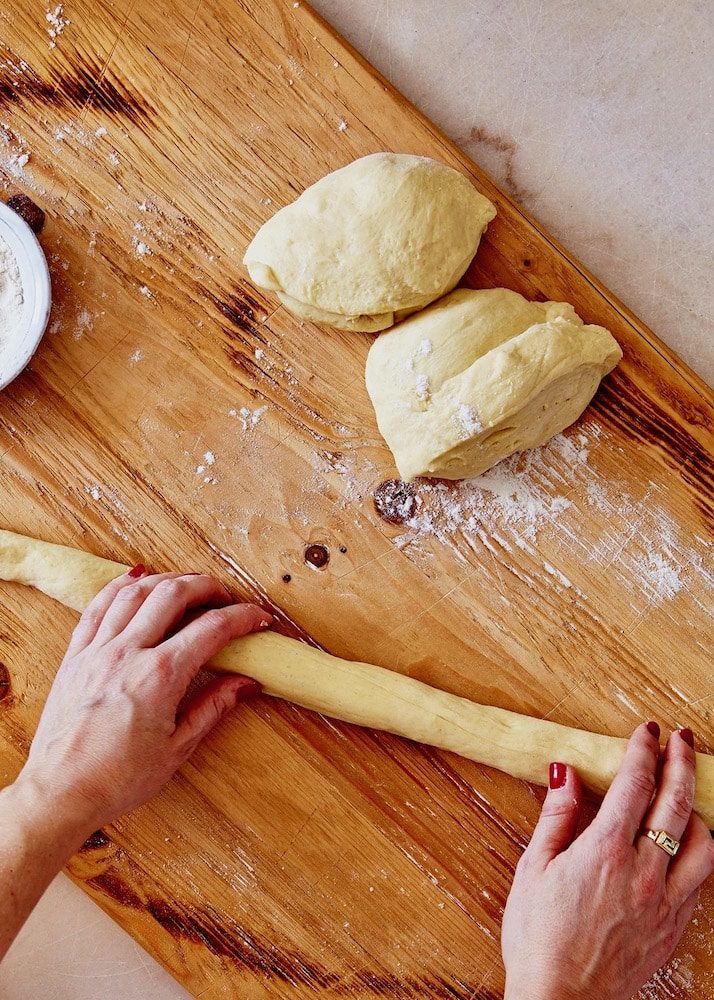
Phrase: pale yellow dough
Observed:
(371, 242)
(479, 375)
(360, 692)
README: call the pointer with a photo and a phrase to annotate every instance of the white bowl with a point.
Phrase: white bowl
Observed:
(36, 292)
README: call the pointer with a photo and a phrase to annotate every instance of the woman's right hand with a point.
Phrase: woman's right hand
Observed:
(117, 724)
(594, 916)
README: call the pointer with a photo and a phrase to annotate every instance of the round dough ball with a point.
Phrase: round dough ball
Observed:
(372, 242)
(479, 375)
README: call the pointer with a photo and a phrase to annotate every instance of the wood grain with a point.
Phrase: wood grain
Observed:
(294, 855)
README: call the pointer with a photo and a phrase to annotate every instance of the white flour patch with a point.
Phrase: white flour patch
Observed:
(248, 418)
(84, 322)
(209, 458)
(468, 419)
(343, 126)
(11, 306)
(95, 492)
(135, 357)
(56, 23)
(146, 292)
(140, 248)
(422, 386)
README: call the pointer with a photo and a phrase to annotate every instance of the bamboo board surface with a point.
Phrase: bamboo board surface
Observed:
(174, 415)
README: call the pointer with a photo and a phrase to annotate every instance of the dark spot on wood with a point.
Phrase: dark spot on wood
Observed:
(621, 403)
(394, 501)
(317, 556)
(71, 88)
(27, 210)
(95, 840)
(4, 682)
(222, 936)
(110, 884)
(286, 578)
(343, 549)
(527, 262)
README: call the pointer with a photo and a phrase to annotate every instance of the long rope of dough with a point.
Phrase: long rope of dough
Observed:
(361, 692)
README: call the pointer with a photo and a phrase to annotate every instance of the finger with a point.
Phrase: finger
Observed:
(194, 645)
(126, 604)
(208, 707)
(94, 613)
(685, 912)
(693, 864)
(631, 792)
(672, 804)
(168, 602)
(559, 817)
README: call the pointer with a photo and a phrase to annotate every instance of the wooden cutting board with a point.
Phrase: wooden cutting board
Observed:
(175, 415)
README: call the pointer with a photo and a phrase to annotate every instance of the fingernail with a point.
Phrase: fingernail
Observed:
(653, 729)
(248, 689)
(688, 736)
(557, 775)
(137, 571)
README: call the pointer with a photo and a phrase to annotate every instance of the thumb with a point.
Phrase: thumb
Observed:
(208, 707)
(559, 817)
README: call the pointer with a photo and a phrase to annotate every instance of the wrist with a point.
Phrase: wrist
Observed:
(52, 818)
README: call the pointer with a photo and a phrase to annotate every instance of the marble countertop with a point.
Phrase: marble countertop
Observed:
(596, 118)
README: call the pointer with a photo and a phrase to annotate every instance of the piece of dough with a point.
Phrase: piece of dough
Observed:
(361, 692)
(479, 375)
(371, 242)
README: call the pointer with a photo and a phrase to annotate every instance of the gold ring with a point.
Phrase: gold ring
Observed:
(662, 839)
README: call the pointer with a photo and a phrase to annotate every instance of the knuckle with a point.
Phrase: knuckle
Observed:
(215, 623)
(680, 799)
(639, 784)
(556, 809)
(612, 850)
(162, 664)
(647, 888)
(171, 587)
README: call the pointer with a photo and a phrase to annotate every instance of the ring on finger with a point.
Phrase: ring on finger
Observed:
(669, 844)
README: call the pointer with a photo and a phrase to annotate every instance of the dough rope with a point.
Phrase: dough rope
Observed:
(361, 693)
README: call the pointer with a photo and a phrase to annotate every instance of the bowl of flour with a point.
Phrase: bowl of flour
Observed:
(25, 294)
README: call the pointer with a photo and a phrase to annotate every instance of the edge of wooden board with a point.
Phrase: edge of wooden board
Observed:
(695, 381)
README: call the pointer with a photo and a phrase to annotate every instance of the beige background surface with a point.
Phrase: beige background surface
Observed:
(597, 121)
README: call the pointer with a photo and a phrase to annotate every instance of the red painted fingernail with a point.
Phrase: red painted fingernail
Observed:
(688, 736)
(248, 689)
(557, 775)
(654, 729)
(138, 570)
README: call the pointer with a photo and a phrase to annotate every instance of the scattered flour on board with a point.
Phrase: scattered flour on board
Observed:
(56, 23)
(508, 505)
(84, 322)
(343, 126)
(135, 357)
(248, 418)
